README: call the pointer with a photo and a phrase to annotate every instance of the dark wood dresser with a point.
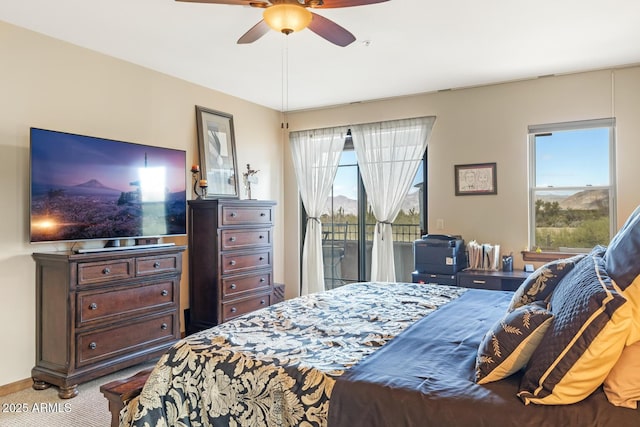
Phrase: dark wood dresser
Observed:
(97, 313)
(230, 259)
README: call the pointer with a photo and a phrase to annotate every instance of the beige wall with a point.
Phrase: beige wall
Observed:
(54, 85)
(489, 124)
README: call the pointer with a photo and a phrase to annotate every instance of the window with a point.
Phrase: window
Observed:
(348, 226)
(572, 185)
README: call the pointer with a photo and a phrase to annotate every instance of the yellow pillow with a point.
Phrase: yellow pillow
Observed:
(622, 385)
(632, 294)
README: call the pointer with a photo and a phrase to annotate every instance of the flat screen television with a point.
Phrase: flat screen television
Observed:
(88, 188)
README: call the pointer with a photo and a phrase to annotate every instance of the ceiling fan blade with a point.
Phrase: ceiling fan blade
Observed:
(236, 2)
(328, 4)
(331, 31)
(257, 31)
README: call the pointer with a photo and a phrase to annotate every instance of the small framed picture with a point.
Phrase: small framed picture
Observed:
(476, 179)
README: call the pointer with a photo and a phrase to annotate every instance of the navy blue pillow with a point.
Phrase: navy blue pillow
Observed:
(621, 257)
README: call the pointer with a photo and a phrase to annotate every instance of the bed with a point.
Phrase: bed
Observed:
(277, 366)
(403, 354)
(262, 370)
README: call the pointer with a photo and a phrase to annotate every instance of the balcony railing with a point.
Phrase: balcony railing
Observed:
(349, 232)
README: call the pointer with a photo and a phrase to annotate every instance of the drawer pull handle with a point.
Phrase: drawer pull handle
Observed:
(262, 280)
(233, 309)
(93, 306)
(93, 346)
(106, 270)
(232, 238)
(156, 264)
(261, 258)
(233, 286)
(164, 293)
(262, 302)
(163, 326)
(479, 282)
(263, 214)
(232, 262)
(261, 237)
(233, 214)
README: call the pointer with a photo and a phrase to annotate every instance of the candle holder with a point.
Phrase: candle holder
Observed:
(195, 187)
(197, 182)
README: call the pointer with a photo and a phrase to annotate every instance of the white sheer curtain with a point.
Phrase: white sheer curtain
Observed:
(316, 154)
(389, 154)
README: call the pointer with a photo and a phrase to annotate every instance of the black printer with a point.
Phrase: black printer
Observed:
(439, 257)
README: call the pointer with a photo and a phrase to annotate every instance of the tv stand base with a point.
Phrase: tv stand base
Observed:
(122, 248)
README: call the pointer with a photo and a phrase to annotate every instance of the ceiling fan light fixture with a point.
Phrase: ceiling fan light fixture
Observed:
(287, 18)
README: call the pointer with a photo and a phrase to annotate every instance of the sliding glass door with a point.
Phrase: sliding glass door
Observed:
(348, 226)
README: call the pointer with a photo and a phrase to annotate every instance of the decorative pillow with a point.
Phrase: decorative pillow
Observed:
(622, 385)
(541, 283)
(622, 265)
(508, 345)
(590, 328)
(622, 254)
(632, 294)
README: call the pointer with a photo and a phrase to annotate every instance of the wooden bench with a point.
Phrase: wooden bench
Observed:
(120, 392)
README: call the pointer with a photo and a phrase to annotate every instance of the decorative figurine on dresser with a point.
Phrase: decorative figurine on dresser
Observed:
(97, 313)
(230, 259)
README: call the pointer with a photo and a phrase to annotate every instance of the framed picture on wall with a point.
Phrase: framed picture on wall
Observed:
(217, 147)
(476, 179)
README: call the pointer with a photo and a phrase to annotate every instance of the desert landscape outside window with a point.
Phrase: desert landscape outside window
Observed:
(572, 185)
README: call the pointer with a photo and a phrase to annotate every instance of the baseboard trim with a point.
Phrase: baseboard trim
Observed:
(15, 387)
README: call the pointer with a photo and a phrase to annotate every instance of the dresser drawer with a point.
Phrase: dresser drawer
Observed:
(241, 262)
(480, 282)
(246, 215)
(126, 339)
(104, 305)
(146, 266)
(439, 279)
(239, 307)
(244, 238)
(90, 273)
(237, 285)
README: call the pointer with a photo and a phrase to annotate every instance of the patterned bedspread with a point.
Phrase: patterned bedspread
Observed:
(277, 366)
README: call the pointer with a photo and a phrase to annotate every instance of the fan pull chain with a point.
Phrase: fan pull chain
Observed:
(285, 82)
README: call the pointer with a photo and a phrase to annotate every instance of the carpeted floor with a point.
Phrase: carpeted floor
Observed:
(43, 408)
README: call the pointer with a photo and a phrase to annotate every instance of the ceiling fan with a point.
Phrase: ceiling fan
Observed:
(287, 16)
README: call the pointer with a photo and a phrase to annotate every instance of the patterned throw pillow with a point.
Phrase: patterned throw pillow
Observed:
(541, 283)
(590, 327)
(508, 345)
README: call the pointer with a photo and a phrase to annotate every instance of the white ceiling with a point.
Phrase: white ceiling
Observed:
(403, 47)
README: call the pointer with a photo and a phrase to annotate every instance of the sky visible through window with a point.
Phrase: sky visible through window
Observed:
(346, 180)
(573, 158)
